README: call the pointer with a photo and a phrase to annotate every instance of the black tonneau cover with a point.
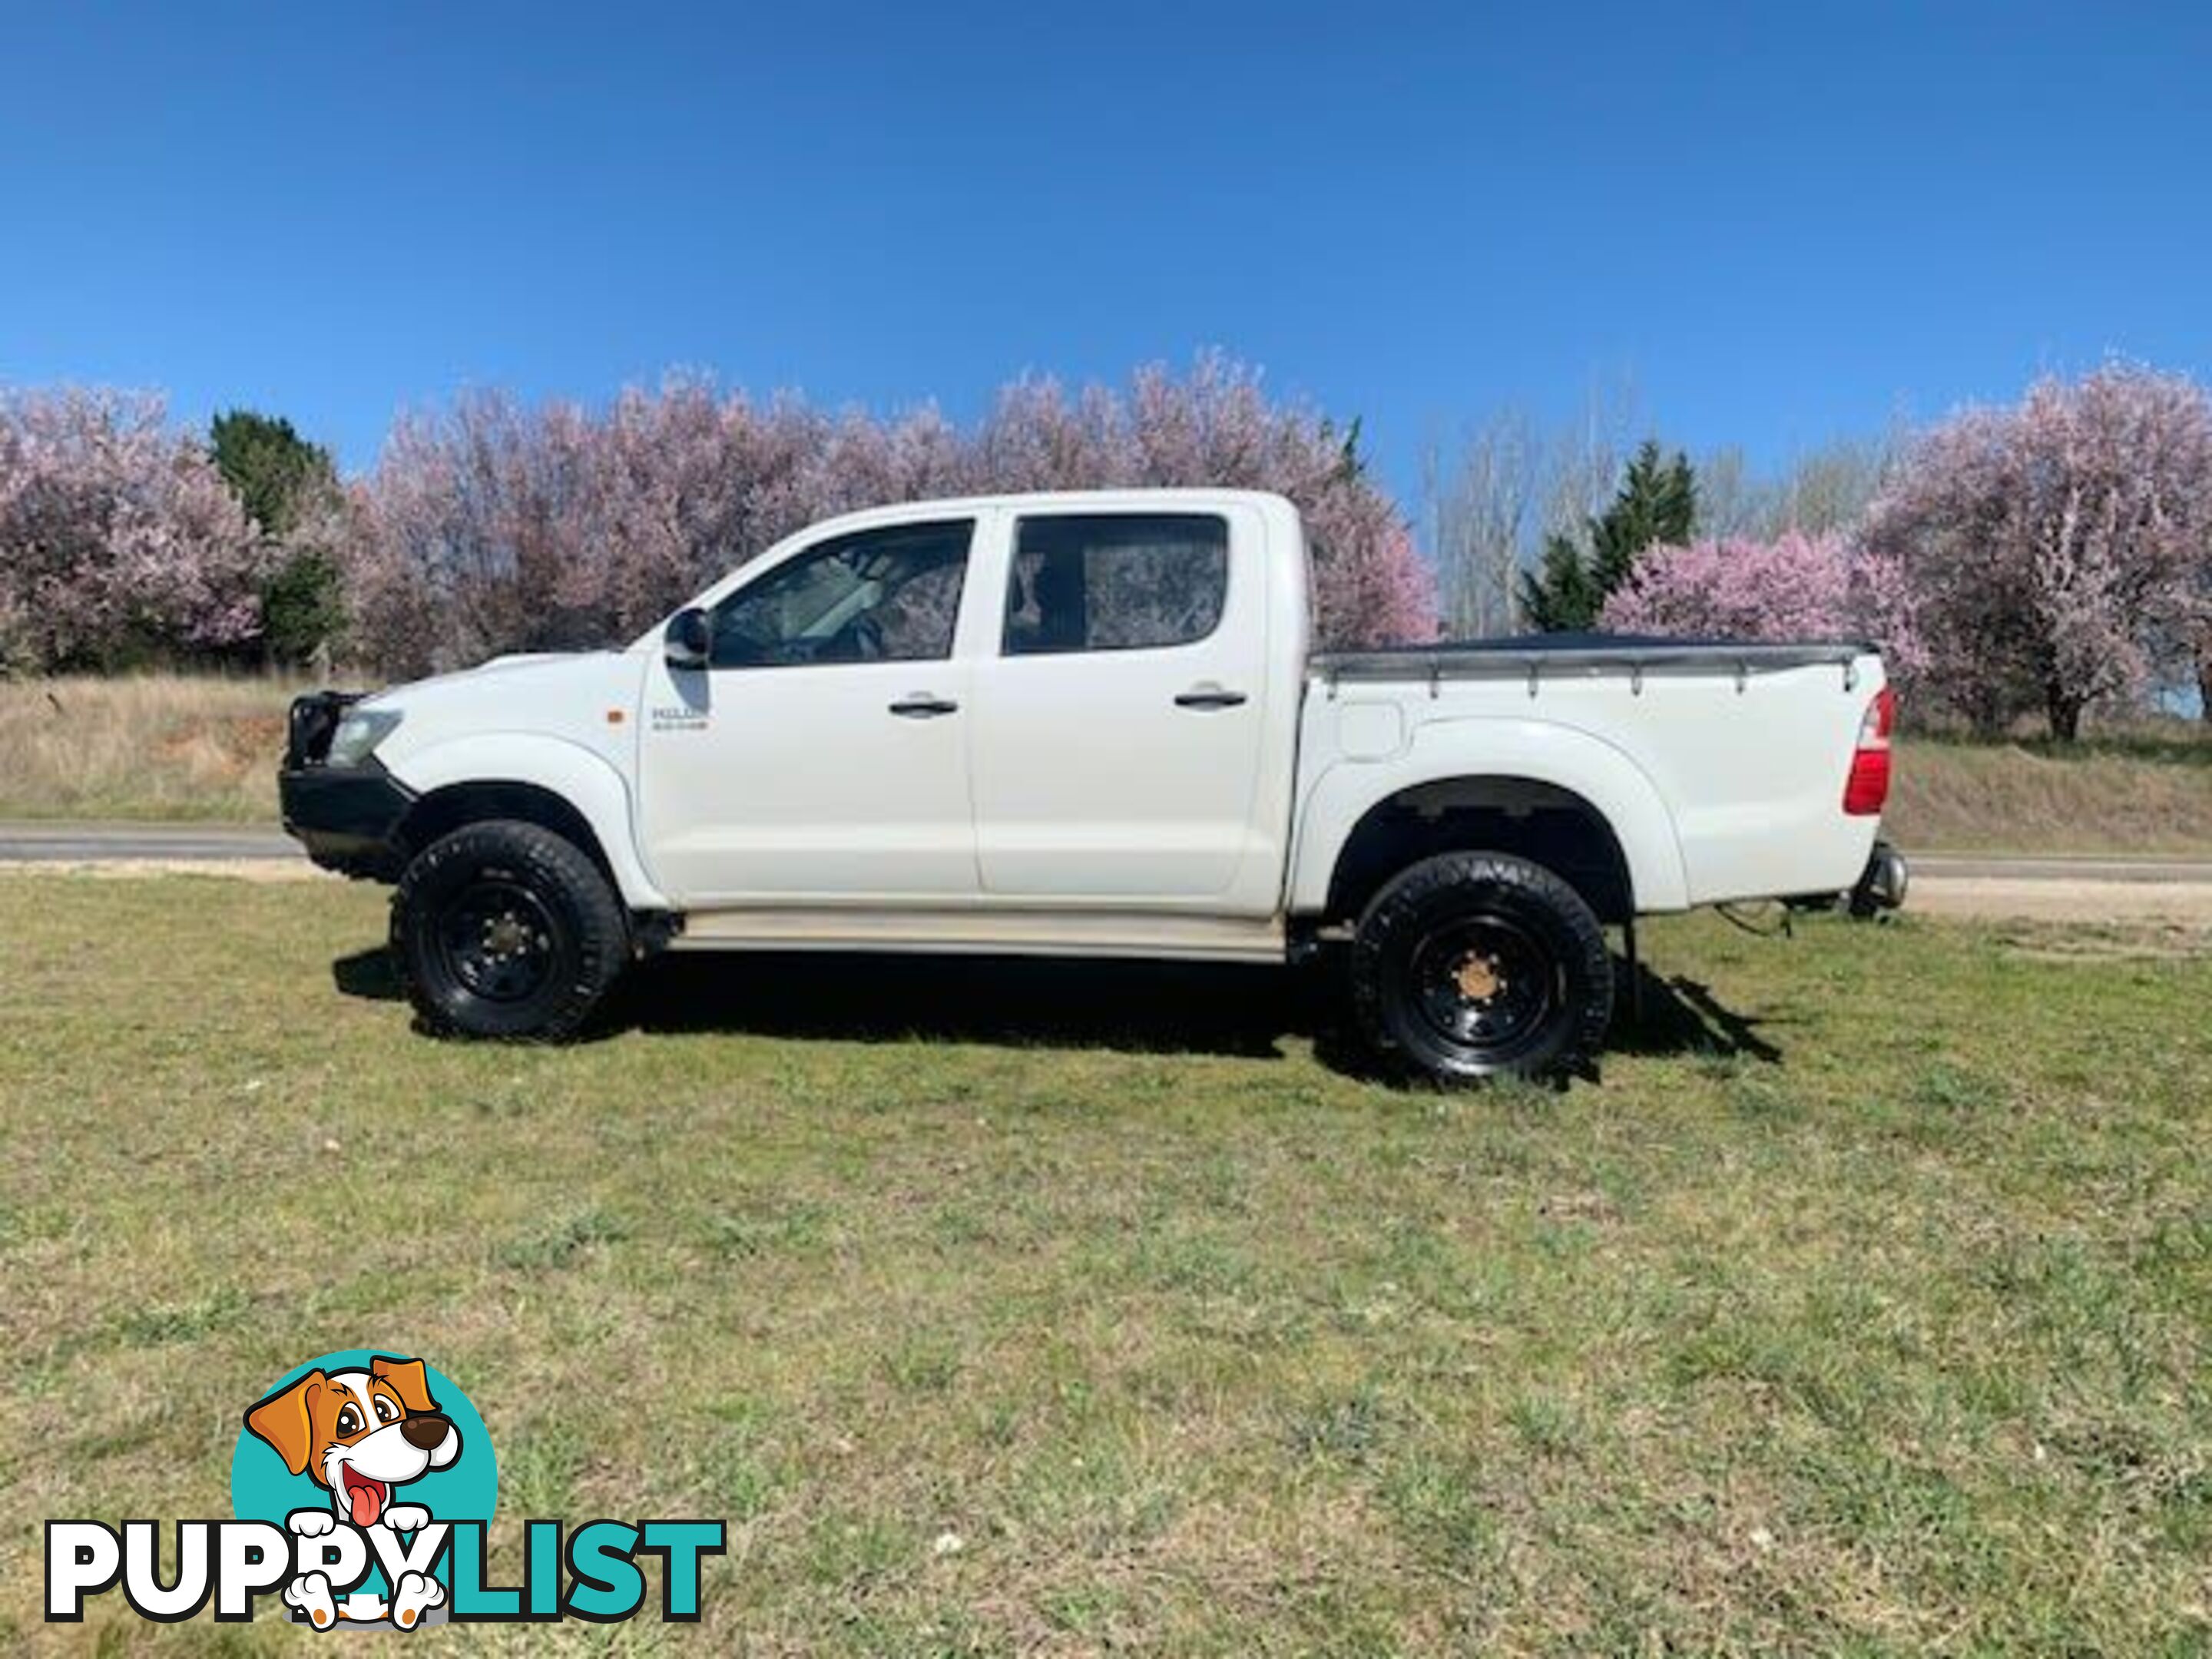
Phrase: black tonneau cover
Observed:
(1534, 655)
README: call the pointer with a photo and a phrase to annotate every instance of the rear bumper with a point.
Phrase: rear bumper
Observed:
(1884, 885)
(348, 818)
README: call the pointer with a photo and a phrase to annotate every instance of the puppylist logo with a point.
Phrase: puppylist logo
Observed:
(363, 1485)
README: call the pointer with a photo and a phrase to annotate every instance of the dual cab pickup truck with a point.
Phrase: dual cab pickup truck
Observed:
(1088, 725)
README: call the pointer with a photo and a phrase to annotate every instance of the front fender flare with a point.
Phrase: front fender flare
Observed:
(1483, 746)
(582, 779)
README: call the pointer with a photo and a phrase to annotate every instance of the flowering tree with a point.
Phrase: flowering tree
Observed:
(2051, 545)
(493, 526)
(120, 540)
(1216, 427)
(1794, 588)
(1038, 438)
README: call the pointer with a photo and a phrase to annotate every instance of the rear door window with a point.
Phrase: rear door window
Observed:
(1115, 581)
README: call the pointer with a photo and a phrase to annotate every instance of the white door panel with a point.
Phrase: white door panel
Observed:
(1125, 774)
(803, 783)
(824, 757)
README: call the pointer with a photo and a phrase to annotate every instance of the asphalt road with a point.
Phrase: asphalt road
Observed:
(100, 843)
(1977, 866)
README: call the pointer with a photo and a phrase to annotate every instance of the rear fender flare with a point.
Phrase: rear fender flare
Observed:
(1480, 746)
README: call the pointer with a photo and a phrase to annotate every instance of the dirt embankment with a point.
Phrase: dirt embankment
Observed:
(2148, 794)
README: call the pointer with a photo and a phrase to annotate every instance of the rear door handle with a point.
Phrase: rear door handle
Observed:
(920, 706)
(1209, 696)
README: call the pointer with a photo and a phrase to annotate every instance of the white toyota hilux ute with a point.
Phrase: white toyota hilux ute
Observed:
(1089, 724)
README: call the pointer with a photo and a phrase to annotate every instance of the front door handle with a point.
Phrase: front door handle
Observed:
(920, 706)
(1209, 696)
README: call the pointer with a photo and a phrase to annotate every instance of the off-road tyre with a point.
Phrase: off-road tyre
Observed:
(1474, 965)
(503, 929)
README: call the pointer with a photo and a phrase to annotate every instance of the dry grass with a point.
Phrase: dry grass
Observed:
(2146, 794)
(151, 746)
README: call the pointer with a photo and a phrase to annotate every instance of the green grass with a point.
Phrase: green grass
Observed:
(1861, 1308)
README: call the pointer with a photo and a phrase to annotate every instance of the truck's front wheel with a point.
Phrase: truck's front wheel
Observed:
(504, 929)
(1471, 965)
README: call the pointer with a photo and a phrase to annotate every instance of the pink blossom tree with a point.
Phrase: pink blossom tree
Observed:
(493, 526)
(496, 527)
(471, 540)
(1216, 426)
(1036, 437)
(1795, 587)
(119, 541)
(2051, 545)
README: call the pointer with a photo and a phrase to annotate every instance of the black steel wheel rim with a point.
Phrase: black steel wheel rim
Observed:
(497, 941)
(1483, 983)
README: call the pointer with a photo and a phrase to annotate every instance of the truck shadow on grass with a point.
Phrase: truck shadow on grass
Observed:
(1681, 1015)
(1133, 1007)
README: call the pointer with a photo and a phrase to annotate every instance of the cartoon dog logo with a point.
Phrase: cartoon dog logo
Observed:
(360, 1435)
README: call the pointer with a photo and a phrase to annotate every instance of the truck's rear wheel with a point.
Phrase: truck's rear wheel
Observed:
(504, 929)
(1471, 965)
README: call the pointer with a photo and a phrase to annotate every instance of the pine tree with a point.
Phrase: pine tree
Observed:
(1560, 597)
(1656, 505)
(281, 479)
(275, 471)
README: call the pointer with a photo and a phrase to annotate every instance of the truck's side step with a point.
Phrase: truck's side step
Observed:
(978, 930)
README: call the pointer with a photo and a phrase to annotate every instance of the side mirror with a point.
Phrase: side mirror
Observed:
(690, 638)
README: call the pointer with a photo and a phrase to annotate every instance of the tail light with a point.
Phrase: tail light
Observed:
(1868, 787)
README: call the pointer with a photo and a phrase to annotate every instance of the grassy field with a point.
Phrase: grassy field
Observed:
(1863, 1306)
(166, 747)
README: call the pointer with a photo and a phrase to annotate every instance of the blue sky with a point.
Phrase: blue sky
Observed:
(1778, 222)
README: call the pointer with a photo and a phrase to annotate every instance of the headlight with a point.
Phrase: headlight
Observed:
(359, 733)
